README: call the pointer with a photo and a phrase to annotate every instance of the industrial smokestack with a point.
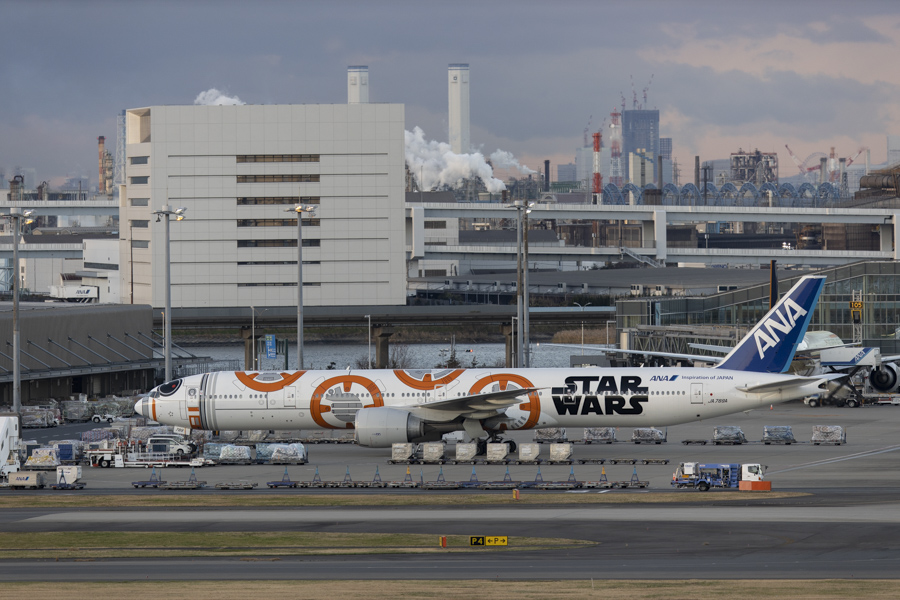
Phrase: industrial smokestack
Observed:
(458, 93)
(697, 171)
(546, 175)
(823, 166)
(358, 84)
(659, 177)
(101, 149)
(598, 178)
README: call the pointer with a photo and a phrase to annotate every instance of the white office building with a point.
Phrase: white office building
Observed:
(237, 170)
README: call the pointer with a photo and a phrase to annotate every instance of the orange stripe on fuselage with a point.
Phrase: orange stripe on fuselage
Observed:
(533, 406)
(426, 383)
(250, 381)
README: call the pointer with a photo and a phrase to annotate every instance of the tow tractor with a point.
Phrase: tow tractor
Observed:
(704, 476)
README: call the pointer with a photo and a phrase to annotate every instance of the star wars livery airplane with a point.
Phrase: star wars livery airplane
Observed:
(396, 406)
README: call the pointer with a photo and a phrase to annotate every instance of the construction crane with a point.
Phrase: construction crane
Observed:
(795, 159)
(855, 156)
(646, 88)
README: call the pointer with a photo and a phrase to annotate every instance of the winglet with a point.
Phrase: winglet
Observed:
(770, 346)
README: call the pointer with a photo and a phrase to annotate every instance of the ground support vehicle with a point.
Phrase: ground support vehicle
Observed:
(701, 476)
(9, 445)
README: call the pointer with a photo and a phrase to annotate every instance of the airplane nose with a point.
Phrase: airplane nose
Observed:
(140, 407)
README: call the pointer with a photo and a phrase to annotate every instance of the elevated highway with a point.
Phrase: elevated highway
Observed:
(654, 221)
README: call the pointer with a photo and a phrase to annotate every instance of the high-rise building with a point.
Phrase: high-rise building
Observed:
(357, 84)
(640, 130)
(238, 170)
(566, 172)
(458, 92)
(665, 147)
(893, 149)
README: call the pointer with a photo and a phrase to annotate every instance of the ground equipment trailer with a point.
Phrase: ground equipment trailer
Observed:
(703, 476)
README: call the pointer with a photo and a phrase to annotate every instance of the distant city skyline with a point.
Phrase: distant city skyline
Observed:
(811, 76)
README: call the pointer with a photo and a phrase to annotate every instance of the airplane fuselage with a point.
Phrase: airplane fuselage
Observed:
(564, 397)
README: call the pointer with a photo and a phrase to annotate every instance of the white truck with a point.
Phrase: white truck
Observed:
(9, 445)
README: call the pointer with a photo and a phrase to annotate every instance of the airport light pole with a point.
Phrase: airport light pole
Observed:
(299, 210)
(369, 352)
(582, 325)
(526, 318)
(15, 218)
(520, 361)
(167, 212)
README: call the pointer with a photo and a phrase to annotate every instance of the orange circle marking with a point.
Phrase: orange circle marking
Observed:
(250, 381)
(426, 383)
(316, 409)
(533, 406)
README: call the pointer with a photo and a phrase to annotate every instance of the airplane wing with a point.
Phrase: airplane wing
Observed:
(476, 403)
(607, 350)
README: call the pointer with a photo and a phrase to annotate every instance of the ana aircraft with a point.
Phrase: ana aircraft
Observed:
(397, 406)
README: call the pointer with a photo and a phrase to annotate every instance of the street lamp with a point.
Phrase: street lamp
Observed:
(522, 337)
(369, 353)
(582, 325)
(178, 213)
(15, 217)
(299, 210)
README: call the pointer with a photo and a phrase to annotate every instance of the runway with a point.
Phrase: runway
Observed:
(845, 525)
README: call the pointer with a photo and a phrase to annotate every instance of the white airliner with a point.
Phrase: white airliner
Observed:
(391, 406)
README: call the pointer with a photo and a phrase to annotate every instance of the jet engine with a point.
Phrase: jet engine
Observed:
(885, 378)
(380, 427)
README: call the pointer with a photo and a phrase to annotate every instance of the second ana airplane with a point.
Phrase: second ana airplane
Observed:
(397, 406)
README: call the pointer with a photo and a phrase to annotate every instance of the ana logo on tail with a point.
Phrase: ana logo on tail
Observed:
(785, 323)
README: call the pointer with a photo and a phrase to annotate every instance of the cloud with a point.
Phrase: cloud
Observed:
(213, 97)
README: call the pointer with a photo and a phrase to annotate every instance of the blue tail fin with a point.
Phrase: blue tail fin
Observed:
(770, 346)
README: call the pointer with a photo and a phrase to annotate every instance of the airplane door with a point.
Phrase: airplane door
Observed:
(696, 393)
(290, 397)
(193, 406)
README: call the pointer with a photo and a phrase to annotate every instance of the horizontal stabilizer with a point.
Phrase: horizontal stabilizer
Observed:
(786, 384)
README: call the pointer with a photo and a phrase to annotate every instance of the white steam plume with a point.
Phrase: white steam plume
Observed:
(213, 97)
(501, 159)
(435, 165)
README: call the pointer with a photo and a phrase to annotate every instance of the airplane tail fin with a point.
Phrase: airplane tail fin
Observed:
(770, 346)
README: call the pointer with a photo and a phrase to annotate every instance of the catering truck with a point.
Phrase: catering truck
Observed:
(703, 476)
(9, 445)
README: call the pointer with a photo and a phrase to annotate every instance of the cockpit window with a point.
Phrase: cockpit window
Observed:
(169, 388)
(154, 393)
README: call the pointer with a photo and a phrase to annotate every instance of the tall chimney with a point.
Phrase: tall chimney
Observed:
(358, 84)
(101, 182)
(659, 177)
(458, 92)
(546, 175)
(697, 171)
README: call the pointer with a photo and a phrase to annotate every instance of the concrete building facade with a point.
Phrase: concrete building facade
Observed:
(238, 170)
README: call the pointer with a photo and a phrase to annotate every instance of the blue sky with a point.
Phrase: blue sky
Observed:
(724, 74)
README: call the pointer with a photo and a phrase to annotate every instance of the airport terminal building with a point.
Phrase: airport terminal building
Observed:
(238, 170)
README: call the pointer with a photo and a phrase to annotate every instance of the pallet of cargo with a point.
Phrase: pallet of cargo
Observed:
(628, 484)
(236, 485)
(182, 485)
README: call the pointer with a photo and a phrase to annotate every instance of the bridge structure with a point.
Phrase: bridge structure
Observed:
(654, 220)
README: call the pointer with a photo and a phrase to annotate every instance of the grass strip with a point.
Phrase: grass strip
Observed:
(84, 545)
(527, 590)
(313, 499)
